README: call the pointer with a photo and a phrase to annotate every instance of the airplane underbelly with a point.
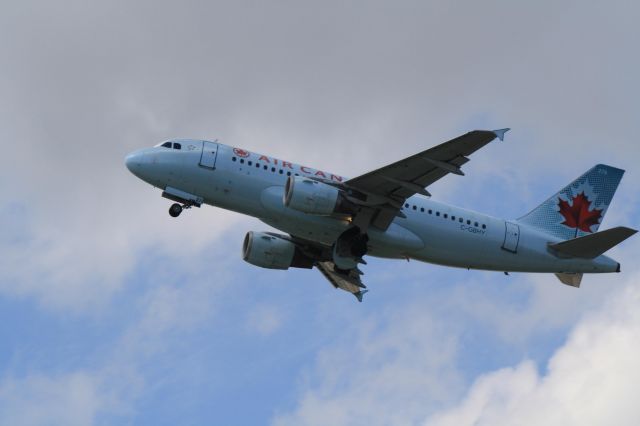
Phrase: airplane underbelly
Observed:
(457, 246)
(491, 254)
(395, 242)
(324, 229)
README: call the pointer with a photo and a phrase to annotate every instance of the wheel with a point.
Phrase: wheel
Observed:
(175, 210)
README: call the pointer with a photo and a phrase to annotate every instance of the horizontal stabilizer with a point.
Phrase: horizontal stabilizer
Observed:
(593, 245)
(570, 279)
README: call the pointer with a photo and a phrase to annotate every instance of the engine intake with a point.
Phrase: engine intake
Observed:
(273, 252)
(313, 197)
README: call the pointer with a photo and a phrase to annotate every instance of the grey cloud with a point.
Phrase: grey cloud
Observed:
(345, 86)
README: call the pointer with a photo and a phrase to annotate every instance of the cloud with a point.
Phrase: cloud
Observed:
(71, 399)
(412, 368)
(264, 320)
(342, 86)
(591, 379)
(333, 85)
(385, 370)
(122, 368)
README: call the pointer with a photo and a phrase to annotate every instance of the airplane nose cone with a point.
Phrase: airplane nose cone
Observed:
(134, 162)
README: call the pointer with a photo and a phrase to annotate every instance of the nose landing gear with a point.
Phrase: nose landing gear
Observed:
(184, 200)
(175, 210)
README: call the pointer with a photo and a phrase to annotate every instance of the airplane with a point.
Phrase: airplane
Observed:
(331, 222)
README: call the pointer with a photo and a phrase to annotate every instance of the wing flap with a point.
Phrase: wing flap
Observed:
(348, 281)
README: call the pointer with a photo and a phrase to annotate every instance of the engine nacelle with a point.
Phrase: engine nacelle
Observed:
(313, 197)
(272, 252)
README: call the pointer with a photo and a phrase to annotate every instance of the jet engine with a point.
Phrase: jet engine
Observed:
(273, 252)
(313, 197)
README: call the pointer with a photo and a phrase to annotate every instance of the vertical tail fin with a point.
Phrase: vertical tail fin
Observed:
(578, 208)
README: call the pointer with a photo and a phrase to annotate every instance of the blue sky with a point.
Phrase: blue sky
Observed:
(111, 312)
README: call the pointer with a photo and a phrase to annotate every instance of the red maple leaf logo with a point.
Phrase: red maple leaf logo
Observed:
(241, 152)
(578, 215)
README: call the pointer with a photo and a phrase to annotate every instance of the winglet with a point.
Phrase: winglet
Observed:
(500, 133)
(359, 294)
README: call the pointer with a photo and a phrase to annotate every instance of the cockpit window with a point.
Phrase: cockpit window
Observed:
(166, 144)
(177, 146)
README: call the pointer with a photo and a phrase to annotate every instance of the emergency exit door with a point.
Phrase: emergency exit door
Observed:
(511, 237)
(209, 154)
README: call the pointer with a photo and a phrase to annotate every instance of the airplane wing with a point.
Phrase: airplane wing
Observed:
(386, 189)
(349, 281)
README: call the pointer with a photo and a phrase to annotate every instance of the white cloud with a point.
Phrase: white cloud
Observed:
(72, 399)
(409, 370)
(123, 371)
(77, 263)
(264, 320)
(387, 369)
(592, 379)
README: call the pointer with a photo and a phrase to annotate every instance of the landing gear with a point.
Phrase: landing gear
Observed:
(349, 249)
(352, 243)
(175, 210)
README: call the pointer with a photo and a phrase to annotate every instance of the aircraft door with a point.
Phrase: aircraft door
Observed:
(511, 237)
(209, 154)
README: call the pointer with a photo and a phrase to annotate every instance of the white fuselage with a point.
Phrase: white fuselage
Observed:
(434, 232)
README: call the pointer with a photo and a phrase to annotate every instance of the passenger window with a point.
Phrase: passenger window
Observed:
(280, 171)
(233, 158)
(265, 167)
(437, 213)
(453, 218)
(249, 163)
(273, 169)
(242, 161)
(422, 209)
(446, 216)
(484, 226)
(288, 173)
(461, 220)
(167, 144)
(257, 165)
(177, 146)
(406, 206)
(475, 224)
(468, 222)
(430, 211)
(414, 207)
